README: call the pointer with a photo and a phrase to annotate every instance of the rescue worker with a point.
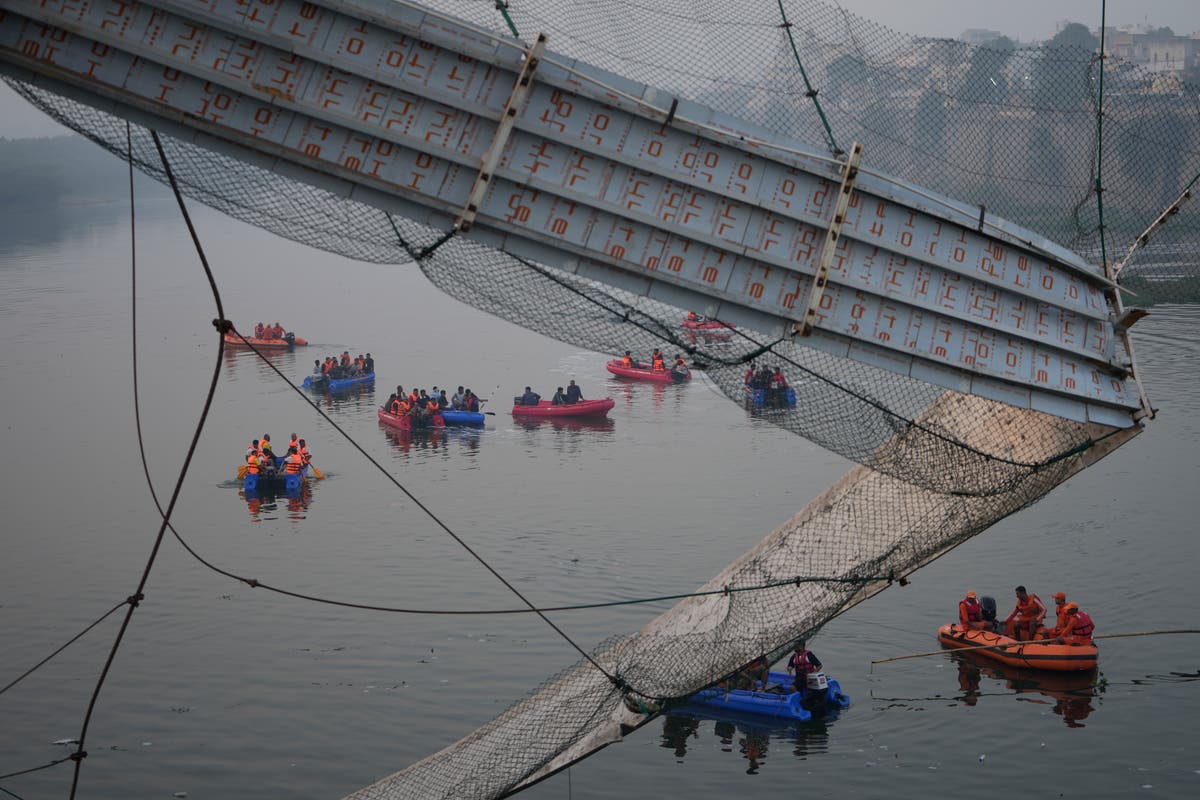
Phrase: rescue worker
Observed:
(294, 442)
(657, 362)
(258, 330)
(253, 448)
(803, 662)
(1060, 610)
(1023, 622)
(253, 462)
(627, 361)
(755, 675)
(970, 613)
(530, 398)
(559, 398)
(693, 316)
(294, 463)
(574, 393)
(1079, 627)
(305, 453)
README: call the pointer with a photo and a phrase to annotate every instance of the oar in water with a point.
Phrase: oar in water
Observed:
(316, 472)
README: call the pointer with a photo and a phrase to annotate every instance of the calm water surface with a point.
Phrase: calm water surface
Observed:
(225, 691)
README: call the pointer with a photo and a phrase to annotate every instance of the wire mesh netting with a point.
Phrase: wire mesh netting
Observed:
(1007, 126)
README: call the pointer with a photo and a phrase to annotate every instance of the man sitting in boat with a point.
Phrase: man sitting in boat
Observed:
(970, 613)
(802, 663)
(470, 402)
(294, 463)
(258, 330)
(627, 361)
(1025, 618)
(574, 393)
(1060, 613)
(456, 400)
(694, 317)
(368, 364)
(1079, 627)
(657, 362)
(559, 398)
(777, 385)
(754, 676)
(530, 398)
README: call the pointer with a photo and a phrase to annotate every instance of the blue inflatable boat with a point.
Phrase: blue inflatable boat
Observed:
(264, 479)
(337, 384)
(770, 398)
(774, 702)
(453, 417)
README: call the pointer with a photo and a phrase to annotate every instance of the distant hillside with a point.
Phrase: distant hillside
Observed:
(63, 170)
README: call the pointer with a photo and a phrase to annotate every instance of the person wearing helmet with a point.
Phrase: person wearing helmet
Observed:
(1079, 627)
(970, 613)
(1060, 620)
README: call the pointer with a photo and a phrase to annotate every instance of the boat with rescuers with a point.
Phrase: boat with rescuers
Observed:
(272, 476)
(643, 372)
(337, 384)
(287, 341)
(407, 423)
(582, 408)
(1034, 654)
(774, 700)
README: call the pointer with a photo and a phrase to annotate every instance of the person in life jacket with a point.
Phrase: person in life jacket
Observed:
(294, 442)
(305, 453)
(1060, 611)
(258, 330)
(680, 364)
(802, 663)
(1023, 622)
(749, 376)
(294, 463)
(1079, 626)
(970, 613)
(254, 448)
(253, 462)
(657, 362)
(627, 361)
(693, 316)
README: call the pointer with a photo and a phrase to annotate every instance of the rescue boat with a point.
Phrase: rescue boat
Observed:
(643, 372)
(583, 408)
(288, 340)
(758, 398)
(337, 384)
(824, 694)
(1036, 654)
(456, 417)
(272, 479)
(705, 324)
(404, 422)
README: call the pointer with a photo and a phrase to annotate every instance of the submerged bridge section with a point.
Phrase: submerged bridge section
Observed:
(546, 158)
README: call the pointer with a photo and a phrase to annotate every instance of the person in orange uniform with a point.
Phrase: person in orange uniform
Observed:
(970, 613)
(305, 453)
(657, 362)
(627, 360)
(1079, 628)
(1023, 622)
(1060, 610)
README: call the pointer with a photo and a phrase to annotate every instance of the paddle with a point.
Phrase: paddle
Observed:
(316, 472)
(241, 472)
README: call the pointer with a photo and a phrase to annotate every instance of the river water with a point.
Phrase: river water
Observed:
(223, 690)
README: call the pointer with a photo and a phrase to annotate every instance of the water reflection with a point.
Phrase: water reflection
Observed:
(263, 502)
(1069, 694)
(434, 440)
(748, 736)
(352, 398)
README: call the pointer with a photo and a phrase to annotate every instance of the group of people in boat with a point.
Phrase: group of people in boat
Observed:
(272, 331)
(756, 675)
(423, 405)
(1072, 626)
(562, 397)
(260, 456)
(658, 362)
(771, 380)
(343, 366)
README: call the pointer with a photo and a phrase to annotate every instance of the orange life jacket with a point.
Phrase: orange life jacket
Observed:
(432, 406)
(1079, 629)
(679, 362)
(969, 610)
(294, 464)
(252, 463)
(627, 362)
(325, 367)
(658, 364)
(1032, 607)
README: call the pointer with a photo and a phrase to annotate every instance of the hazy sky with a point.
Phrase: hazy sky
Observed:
(1026, 20)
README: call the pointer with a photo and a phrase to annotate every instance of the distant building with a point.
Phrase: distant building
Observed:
(979, 36)
(1153, 49)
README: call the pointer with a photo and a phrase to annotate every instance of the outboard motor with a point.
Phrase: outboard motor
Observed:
(988, 606)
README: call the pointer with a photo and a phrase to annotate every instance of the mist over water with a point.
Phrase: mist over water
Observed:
(228, 691)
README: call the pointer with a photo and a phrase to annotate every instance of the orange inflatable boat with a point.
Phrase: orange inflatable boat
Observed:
(266, 344)
(1029, 655)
